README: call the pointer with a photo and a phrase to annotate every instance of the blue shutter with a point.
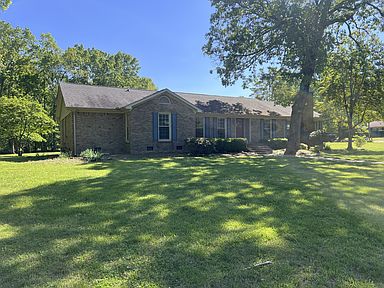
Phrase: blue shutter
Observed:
(174, 127)
(155, 119)
(262, 129)
(273, 128)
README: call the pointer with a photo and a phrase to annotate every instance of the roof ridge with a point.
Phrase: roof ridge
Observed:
(102, 86)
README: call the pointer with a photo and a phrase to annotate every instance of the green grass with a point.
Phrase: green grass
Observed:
(372, 151)
(191, 222)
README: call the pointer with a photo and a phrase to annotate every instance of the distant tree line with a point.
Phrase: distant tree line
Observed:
(31, 68)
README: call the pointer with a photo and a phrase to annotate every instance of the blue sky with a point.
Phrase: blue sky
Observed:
(165, 35)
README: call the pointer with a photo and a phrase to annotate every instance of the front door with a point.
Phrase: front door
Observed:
(240, 128)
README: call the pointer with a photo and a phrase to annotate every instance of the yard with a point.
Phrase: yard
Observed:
(191, 222)
(372, 151)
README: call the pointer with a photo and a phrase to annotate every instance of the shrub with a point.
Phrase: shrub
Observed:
(206, 146)
(360, 141)
(91, 155)
(230, 145)
(327, 147)
(303, 146)
(277, 143)
(318, 137)
(200, 146)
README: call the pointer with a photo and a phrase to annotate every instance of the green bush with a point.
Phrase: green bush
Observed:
(360, 141)
(200, 146)
(327, 147)
(277, 143)
(206, 146)
(318, 137)
(230, 145)
(91, 155)
(303, 146)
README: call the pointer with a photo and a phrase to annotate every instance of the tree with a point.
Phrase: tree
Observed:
(352, 78)
(95, 67)
(23, 120)
(275, 86)
(4, 4)
(292, 34)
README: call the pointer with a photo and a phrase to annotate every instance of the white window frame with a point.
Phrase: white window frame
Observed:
(169, 126)
(203, 124)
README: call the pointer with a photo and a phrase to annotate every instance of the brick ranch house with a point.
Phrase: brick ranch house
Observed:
(119, 120)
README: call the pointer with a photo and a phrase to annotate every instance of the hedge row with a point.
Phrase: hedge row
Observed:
(205, 146)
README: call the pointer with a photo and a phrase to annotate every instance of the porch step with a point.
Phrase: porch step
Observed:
(260, 149)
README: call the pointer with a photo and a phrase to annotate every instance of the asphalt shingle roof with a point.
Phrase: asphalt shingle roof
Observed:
(99, 97)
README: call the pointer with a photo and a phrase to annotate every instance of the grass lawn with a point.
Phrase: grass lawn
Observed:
(191, 222)
(372, 151)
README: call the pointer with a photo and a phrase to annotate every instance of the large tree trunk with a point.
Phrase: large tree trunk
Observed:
(350, 134)
(301, 103)
(307, 123)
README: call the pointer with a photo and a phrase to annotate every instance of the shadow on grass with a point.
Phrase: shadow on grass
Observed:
(28, 158)
(195, 222)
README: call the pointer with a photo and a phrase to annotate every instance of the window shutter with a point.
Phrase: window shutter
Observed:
(155, 119)
(174, 127)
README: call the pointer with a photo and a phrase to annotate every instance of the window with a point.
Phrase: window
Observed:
(274, 128)
(267, 129)
(199, 127)
(221, 128)
(164, 126)
(164, 100)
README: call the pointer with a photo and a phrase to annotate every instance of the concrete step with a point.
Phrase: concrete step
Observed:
(260, 149)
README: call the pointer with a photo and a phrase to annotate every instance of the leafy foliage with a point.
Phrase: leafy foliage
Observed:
(90, 155)
(353, 80)
(95, 67)
(318, 137)
(23, 120)
(277, 143)
(292, 35)
(360, 141)
(206, 146)
(4, 4)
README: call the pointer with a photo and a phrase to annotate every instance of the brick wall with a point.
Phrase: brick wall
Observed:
(66, 133)
(104, 130)
(141, 130)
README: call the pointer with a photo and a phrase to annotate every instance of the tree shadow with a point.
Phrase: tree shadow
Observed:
(196, 222)
(27, 158)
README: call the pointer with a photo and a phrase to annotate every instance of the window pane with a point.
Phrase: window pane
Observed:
(221, 133)
(221, 123)
(163, 133)
(163, 119)
(267, 129)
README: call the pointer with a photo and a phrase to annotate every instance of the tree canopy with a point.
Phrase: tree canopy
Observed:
(34, 66)
(293, 35)
(23, 120)
(4, 4)
(353, 77)
(95, 67)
